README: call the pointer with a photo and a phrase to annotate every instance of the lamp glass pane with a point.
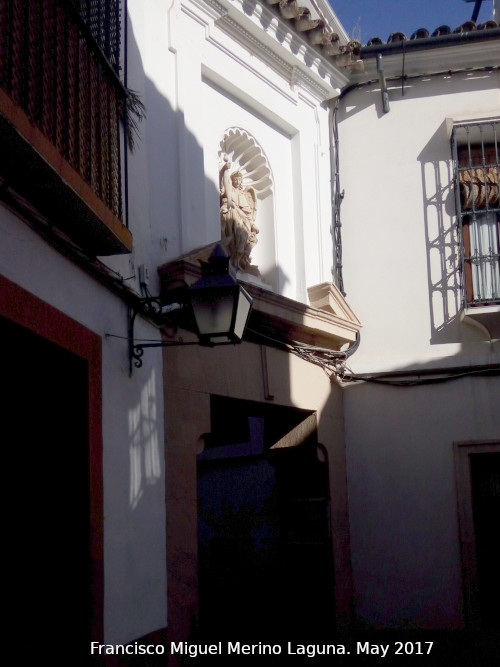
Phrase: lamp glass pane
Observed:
(213, 310)
(244, 305)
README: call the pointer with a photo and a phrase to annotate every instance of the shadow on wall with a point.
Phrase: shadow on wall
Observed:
(144, 441)
(442, 237)
(170, 192)
(166, 157)
(403, 494)
(165, 174)
(443, 244)
(443, 262)
(413, 87)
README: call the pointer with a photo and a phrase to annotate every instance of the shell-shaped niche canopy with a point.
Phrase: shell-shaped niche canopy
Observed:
(247, 157)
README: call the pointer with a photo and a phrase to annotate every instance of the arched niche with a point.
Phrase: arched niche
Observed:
(245, 155)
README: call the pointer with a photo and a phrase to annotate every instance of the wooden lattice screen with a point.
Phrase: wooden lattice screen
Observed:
(52, 67)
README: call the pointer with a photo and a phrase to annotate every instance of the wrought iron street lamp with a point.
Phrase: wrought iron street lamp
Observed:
(219, 304)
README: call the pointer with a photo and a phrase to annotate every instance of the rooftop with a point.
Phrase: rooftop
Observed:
(423, 33)
(318, 24)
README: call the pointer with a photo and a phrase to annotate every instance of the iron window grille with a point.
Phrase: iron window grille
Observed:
(476, 152)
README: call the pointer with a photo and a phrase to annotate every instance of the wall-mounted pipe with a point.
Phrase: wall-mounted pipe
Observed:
(383, 84)
(337, 194)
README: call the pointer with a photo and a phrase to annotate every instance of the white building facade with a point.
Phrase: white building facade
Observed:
(200, 480)
(421, 263)
(225, 83)
(87, 222)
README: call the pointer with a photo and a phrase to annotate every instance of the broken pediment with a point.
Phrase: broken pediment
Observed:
(328, 297)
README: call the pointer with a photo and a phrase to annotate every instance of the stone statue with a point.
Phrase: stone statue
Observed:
(238, 210)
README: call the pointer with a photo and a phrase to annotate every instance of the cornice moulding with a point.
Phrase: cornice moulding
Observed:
(273, 312)
(264, 34)
(211, 8)
(293, 70)
(301, 322)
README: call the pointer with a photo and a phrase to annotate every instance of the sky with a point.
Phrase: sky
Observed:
(364, 19)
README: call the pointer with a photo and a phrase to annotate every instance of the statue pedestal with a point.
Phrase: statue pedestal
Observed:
(253, 278)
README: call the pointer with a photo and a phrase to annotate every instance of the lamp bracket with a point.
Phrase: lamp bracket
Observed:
(159, 313)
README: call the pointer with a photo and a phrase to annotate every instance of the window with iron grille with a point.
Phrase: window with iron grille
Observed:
(477, 169)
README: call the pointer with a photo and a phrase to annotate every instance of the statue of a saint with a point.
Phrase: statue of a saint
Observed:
(238, 210)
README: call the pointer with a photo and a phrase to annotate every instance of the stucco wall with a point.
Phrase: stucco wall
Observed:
(399, 226)
(401, 274)
(402, 496)
(197, 81)
(191, 376)
(132, 428)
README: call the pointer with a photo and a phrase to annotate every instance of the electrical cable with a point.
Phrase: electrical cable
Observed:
(331, 361)
(438, 376)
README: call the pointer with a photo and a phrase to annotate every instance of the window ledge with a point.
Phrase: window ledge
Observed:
(486, 318)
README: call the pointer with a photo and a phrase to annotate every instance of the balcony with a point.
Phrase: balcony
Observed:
(61, 104)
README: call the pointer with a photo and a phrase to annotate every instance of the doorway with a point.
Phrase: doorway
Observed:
(46, 422)
(485, 481)
(265, 560)
(478, 489)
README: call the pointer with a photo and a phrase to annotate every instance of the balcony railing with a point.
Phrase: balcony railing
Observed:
(53, 70)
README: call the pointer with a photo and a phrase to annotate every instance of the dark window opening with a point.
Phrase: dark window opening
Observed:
(485, 477)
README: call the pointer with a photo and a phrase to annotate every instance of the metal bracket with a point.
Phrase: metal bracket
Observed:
(152, 308)
(477, 7)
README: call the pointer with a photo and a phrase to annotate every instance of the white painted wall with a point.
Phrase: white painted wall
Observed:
(399, 227)
(197, 81)
(133, 459)
(402, 496)
(401, 278)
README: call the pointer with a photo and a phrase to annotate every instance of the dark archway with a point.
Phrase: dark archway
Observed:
(265, 561)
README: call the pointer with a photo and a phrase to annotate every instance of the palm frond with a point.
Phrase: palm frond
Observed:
(134, 114)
